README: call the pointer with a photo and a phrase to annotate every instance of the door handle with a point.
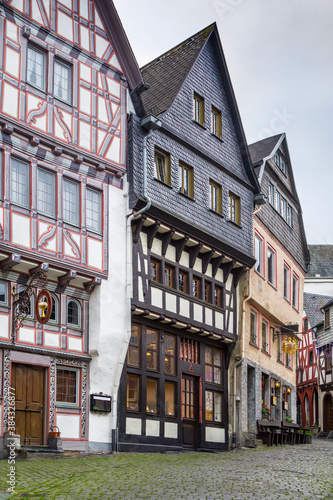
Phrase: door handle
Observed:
(41, 408)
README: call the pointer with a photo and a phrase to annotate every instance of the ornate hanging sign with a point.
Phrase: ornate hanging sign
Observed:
(290, 345)
(43, 303)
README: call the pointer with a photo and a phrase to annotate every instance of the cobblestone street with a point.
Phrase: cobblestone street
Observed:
(298, 472)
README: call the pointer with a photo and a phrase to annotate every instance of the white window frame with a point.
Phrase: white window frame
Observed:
(68, 99)
(14, 160)
(4, 302)
(215, 197)
(271, 251)
(32, 48)
(77, 398)
(286, 282)
(271, 192)
(77, 211)
(55, 301)
(73, 325)
(295, 291)
(97, 229)
(254, 339)
(52, 176)
(259, 254)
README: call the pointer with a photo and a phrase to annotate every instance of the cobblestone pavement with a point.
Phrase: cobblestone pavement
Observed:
(289, 472)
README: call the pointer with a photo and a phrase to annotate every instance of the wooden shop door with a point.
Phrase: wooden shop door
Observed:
(28, 382)
(190, 410)
(328, 413)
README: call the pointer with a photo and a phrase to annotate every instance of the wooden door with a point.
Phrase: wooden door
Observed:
(28, 382)
(190, 410)
(328, 413)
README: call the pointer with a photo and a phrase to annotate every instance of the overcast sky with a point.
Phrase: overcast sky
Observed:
(280, 58)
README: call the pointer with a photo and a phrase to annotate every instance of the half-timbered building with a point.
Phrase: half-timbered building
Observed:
(264, 376)
(66, 69)
(193, 190)
(325, 373)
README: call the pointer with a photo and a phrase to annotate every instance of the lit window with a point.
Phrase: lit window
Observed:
(327, 318)
(152, 349)
(71, 202)
(151, 406)
(295, 291)
(74, 313)
(93, 210)
(170, 390)
(36, 68)
(169, 354)
(132, 393)
(182, 281)
(3, 293)
(46, 192)
(213, 365)
(264, 336)
(213, 406)
(162, 164)
(19, 182)
(133, 353)
(168, 276)
(186, 173)
(253, 328)
(258, 253)
(271, 266)
(199, 109)
(235, 212)
(67, 387)
(215, 197)
(62, 81)
(216, 122)
(286, 282)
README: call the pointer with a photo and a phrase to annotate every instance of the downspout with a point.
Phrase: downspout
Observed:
(151, 123)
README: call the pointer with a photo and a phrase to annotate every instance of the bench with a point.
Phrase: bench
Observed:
(269, 432)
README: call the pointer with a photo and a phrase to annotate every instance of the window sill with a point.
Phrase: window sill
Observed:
(289, 368)
(163, 183)
(191, 198)
(280, 362)
(254, 345)
(215, 212)
(285, 298)
(234, 223)
(271, 284)
(199, 124)
(217, 137)
(266, 352)
(68, 406)
(48, 216)
(259, 274)
(93, 232)
(295, 308)
(71, 225)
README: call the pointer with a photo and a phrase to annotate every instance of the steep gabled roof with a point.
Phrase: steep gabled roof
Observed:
(312, 304)
(264, 148)
(166, 73)
(321, 261)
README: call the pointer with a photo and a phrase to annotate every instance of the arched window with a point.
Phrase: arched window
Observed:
(54, 318)
(74, 313)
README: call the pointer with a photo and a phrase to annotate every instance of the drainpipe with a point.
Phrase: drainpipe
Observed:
(149, 123)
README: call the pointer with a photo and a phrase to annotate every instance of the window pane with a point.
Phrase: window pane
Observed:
(209, 405)
(169, 399)
(151, 396)
(66, 386)
(258, 254)
(19, 182)
(3, 292)
(71, 202)
(132, 392)
(62, 83)
(93, 216)
(35, 68)
(133, 357)
(151, 355)
(73, 313)
(209, 373)
(217, 407)
(169, 354)
(46, 185)
(54, 314)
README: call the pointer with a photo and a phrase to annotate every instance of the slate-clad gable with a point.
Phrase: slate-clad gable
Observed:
(313, 305)
(321, 264)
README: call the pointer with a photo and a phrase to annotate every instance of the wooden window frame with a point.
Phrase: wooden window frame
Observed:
(168, 355)
(327, 318)
(220, 394)
(138, 389)
(211, 363)
(197, 280)
(171, 270)
(235, 208)
(199, 109)
(187, 180)
(216, 125)
(184, 274)
(215, 194)
(174, 414)
(149, 351)
(218, 296)
(158, 270)
(163, 175)
(149, 411)
(208, 291)
(137, 346)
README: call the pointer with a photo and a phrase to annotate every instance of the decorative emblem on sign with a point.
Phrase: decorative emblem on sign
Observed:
(290, 345)
(43, 303)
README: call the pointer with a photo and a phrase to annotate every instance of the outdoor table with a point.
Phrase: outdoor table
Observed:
(269, 432)
(290, 431)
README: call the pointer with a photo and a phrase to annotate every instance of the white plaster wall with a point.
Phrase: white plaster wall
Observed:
(156, 297)
(4, 326)
(69, 426)
(109, 314)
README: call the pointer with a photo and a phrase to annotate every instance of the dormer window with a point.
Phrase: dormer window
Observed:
(216, 122)
(280, 162)
(199, 109)
(162, 163)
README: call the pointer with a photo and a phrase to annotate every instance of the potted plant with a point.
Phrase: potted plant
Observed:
(266, 412)
(289, 419)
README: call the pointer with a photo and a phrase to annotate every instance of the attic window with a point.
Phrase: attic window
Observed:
(280, 162)
(199, 109)
(327, 318)
(162, 163)
(216, 122)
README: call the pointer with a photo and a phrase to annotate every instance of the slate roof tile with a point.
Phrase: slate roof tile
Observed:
(321, 261)
(261, 149)
(312, 306)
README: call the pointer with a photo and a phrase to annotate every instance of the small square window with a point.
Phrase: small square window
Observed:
(216, 122)
(162, 164)
(71, 202)
(215, 191)
(46, 192)
(19, 182)
(199, 109)
(235, 208)
(67, 393)
(93, 210)
(36, 68)
(186, 174)
(62, 81)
